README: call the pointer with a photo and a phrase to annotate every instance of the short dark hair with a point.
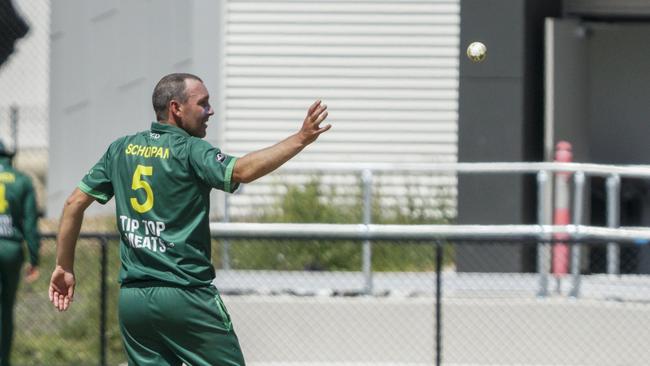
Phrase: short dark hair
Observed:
(170, 87)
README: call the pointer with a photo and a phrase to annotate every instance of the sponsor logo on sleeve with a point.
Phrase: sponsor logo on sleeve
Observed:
(220, 157)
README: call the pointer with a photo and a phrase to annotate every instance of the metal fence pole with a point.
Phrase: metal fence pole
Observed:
(225, 243)
(613, 217)
(102, 300)
(578, 202)
(439, 254)
(542, 218)
(560, 248)
(14, 126)
(366, 178)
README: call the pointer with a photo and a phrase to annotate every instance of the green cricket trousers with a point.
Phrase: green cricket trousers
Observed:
(168, 326)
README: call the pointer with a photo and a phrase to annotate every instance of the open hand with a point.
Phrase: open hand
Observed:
(61, 288)
(311, 127)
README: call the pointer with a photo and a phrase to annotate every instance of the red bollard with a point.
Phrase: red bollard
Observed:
(561, 214)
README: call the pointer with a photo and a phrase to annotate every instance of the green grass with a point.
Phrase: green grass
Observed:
(312, 204)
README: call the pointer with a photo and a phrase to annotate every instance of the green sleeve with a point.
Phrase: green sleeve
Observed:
(97, 182)
(30, 223)
(211, 166)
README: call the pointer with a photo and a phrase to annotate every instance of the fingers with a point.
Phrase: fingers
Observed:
(55, 298)
(61, 302)
(66, 302)
(317, 116)
(323, 129)
(311, 127)
(60, 299)
(321, 117)
(317, 112)
(313, 107)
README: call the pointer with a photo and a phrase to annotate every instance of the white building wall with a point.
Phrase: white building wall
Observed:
(107, 56)
(388, 71)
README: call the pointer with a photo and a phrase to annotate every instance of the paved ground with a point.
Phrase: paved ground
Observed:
(358, 331)
(310, 318)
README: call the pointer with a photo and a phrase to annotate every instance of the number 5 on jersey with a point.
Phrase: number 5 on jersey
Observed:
(138, 183)
(4, 204)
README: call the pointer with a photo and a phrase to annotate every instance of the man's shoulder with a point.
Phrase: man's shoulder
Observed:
(127, 139)
(198, 143)
(134, 136)
(18, 176)
(120, 140)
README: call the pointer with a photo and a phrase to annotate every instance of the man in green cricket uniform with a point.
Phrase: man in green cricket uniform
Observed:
(161, 179)
(18, 222)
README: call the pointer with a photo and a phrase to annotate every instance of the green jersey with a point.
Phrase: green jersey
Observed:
(18, 214)
(161, 180)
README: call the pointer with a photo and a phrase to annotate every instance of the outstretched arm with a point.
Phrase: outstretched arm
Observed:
(261, 162)
(62, 282)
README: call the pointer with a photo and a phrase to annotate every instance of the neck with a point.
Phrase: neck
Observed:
(171, 121)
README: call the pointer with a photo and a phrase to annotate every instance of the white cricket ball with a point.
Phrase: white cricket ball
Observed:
(476, 51)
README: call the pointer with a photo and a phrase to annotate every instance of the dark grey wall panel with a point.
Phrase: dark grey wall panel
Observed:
(491, 110)
(499, 24)
(619, 89)
(500, 119)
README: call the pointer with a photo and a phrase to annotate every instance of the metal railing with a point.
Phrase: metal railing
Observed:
(440, 236)
(544, 173)
(239, 230)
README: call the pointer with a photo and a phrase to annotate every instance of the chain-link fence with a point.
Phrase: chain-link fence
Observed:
(285, 314)
(303, 302)
(500, 319)
(86, 334)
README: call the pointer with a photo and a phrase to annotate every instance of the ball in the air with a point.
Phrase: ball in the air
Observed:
(476, 51)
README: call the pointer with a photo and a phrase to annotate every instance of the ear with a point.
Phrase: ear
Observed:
(174, 107)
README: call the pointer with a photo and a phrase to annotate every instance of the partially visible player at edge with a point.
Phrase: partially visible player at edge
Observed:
(18, 223)
(169, 312)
